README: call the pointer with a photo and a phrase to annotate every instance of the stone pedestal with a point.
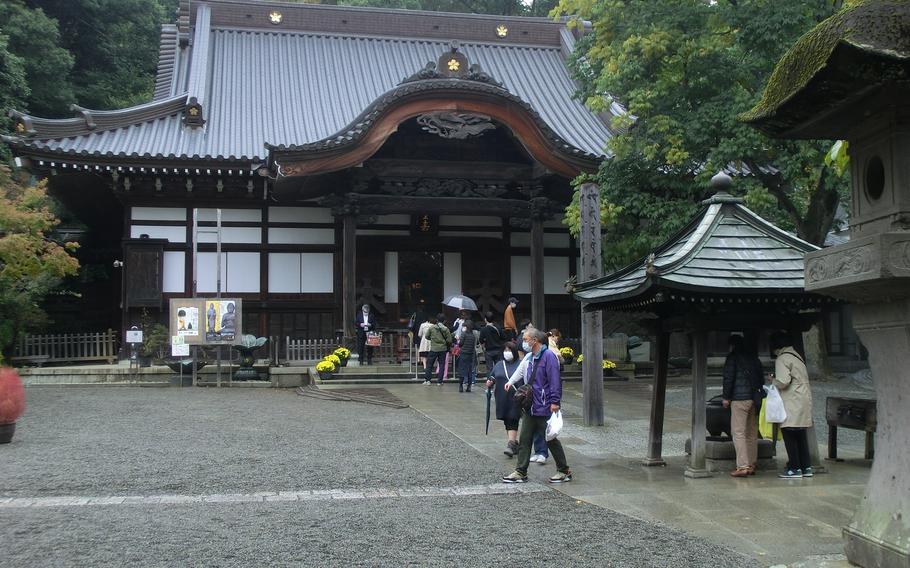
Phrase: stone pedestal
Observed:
(720, 455)
(879, 533)
(874, 273)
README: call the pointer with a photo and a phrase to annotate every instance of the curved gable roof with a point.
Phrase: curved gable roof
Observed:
(290, 88)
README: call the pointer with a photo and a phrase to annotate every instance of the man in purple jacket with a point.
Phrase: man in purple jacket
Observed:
(543, 376)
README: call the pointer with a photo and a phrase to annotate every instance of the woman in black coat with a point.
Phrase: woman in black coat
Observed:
(507, 408)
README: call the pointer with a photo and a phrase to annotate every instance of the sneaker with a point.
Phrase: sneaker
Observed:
(808, 472)
(508, 451)
(561, 477)
(541, 459)
(791, 474)
(426, 382)
(515, 477)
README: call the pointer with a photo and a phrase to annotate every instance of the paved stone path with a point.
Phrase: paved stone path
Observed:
(271, 496)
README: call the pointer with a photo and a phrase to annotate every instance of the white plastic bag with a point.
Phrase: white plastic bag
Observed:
(554, 425)
(774, 406)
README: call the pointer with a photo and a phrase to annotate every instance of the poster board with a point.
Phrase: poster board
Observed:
(206, 321)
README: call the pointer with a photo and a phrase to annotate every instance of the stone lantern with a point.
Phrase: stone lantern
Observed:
(849, 78)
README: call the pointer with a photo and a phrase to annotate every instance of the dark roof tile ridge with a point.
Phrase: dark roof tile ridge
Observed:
(380, 37)
(291, 4)
(91, 121)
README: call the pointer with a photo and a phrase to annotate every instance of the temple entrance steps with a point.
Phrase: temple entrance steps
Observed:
(399, 374)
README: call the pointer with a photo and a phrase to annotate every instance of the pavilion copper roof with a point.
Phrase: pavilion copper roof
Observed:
(725, 251)
(257, 85)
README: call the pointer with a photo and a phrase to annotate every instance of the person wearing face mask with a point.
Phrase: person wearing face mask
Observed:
(546, 386)
(365, 322)
(541, 453)
(507, 408)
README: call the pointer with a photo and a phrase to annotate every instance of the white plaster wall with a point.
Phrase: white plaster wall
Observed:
(284, 272)
(245, 235)
(391, 277)
(172, 234)
(241, 215)
(317, 272)
(174, 272)
(451, 273)
(158, 214)
(288, 236)
(521, 275)
(556, 272)
(300, 215)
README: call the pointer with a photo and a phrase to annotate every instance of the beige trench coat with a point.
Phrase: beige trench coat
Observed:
(792, 380)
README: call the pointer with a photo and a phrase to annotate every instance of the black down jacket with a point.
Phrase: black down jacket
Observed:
(742, 376)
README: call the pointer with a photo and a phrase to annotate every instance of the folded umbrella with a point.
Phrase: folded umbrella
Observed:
(460, 302)
(489, 395)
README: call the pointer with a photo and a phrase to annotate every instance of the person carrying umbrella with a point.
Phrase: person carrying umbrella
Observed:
(507, 408)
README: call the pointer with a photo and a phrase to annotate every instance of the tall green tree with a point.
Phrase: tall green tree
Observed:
(31, 263)
(34, 39)
(682, 71)
(114, 44)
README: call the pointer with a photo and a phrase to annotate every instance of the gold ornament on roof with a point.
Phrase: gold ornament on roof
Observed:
(453, 64)
(20, 127)
(194, 111)
(502, 31)
(275, 17)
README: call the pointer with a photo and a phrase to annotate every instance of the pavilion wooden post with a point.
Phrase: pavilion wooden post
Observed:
(658, 399)
(696, 467)
(537, 293)
(591, 322)
(348, 276)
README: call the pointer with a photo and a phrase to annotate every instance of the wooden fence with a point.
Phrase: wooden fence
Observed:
(394, 348)
(67, 347)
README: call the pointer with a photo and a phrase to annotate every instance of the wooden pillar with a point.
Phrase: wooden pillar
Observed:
(591, 322)
(658, 400)
(348, 277)
(537, 295)
(696, 467)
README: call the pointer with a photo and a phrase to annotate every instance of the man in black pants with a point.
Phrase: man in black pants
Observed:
(492, 341)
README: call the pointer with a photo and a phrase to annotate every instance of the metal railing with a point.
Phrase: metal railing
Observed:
(67, 347)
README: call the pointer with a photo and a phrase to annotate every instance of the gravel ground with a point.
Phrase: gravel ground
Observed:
(133, 441)
(459, 531)
(111, 441)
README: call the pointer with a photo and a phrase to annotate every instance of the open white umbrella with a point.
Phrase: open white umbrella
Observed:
(460, 302)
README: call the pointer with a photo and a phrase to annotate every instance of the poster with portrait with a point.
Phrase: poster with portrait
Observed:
(187, 319)
(222, 320)
(206, 321)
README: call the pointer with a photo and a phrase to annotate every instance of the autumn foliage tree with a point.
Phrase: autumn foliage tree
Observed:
(31, 263)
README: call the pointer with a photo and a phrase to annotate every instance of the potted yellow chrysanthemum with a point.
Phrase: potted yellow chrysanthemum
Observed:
(325, 368)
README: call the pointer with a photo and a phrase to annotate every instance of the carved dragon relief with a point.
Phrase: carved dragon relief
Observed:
(853, 262)
(455, 125)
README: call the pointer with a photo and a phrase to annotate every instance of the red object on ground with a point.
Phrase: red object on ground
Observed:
(12, 396)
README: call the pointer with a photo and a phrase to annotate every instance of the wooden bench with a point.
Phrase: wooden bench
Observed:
(852, 413)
